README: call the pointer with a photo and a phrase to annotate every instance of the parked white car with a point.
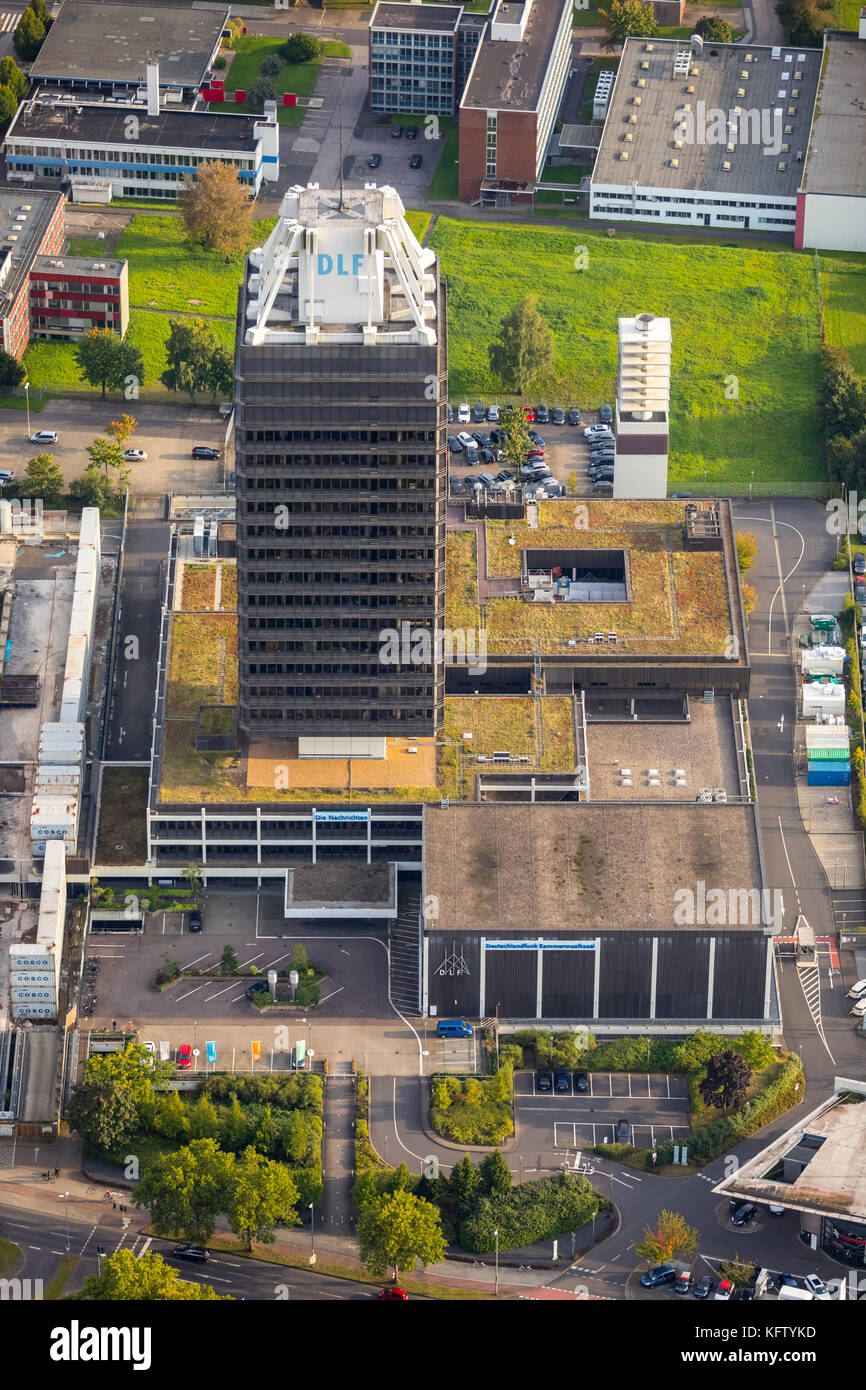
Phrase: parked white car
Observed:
(859, 1009)
(817, 1287)
(464, 414)
(857, 991)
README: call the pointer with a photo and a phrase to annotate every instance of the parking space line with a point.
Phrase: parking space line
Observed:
(196, 959)
(250, 959)
(668, 1080)
(218, 993)
(629, 1084)
(180, 997)
(610, 1081)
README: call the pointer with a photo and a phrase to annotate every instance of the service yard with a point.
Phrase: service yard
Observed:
(656, 1108)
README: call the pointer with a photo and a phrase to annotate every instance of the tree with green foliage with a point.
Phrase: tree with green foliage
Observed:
(670, 1236)
(301, 48)
(841, 395)
(187, 1190)
(625, 19)
(105, 360)
(847, 459)
(495, 1174)
(727, 1080)
(12, 77)
(465, 1183)
(271, 66)
(757, 1049)
(8, 104)
(123, 1278)
(128, 1068)
(29, 35)
(228, 960)
(747, 550)
(715, 29)
(171, 1119)
(441, 1095)
(473, 1092)
(532, 1212)
(804, 21)
(261, 1196)
(12, 372)
(203, 1119)
(299, 960)
(43, 478)
(265, 1141)
(262, 90)
(108, 454)
(397, 1229)
(193, 875)
(524, 348)
(41, 11)
(104, 1114)
(518, 440)
(234, 1127)
(502, 1086)
(193, 352)
(221, 374)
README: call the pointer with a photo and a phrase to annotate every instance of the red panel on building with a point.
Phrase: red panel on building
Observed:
(289, 99)
(240, 96)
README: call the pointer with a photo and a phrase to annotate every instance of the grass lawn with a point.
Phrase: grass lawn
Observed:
(418, 221)
(300, 78)
(843, 284)
(122, 837)
(586, 18)
(87, 246)
(744, 312)
(846, 14)
(9, 1253)
(168, 274)
(52, 366)
(443, 189)
(229, 589)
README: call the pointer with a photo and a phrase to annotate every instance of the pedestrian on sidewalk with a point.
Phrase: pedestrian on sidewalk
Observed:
(57, 1172)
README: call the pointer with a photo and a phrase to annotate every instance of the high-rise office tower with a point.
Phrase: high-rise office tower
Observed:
(341, 373)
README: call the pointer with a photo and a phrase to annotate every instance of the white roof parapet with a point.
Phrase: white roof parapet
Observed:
(341, 270)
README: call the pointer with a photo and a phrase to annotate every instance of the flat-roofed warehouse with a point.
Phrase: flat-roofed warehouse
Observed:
(831, 207)
(614, 916)
(710, 138)
(93, 44)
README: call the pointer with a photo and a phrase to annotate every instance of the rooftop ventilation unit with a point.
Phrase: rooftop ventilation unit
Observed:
(749, 58)
(623, 154)
(629, 135)
(644, 67)
(678, 144)
(730, 148)
(641, 82)
(775, 54)
(674, 163)
(682, 61)
(636, 101)
(782, 165)
(726, 166)
(649, 48)
(697, 43)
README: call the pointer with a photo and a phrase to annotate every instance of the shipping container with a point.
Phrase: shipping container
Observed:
(830, 755)
(829, 775)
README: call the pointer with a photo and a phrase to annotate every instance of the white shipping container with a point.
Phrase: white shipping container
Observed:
(34, 1010)
(38, 960)
(30, 979)
(38, 996)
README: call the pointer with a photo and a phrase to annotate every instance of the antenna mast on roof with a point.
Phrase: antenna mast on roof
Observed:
(341, 148)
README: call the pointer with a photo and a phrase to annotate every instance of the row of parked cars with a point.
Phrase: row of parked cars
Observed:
(539, 414)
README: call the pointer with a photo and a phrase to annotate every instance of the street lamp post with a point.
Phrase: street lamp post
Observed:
(496, 1278)
(312, 1234)
(65, 1196)
(27, 404)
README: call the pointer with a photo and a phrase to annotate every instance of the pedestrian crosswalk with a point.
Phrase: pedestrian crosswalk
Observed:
(9, 20)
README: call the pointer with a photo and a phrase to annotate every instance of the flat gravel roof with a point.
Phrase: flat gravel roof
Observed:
(648, 97)
(836, 162)
(111, 43)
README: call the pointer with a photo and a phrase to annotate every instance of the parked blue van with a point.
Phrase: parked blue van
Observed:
(453, 1028)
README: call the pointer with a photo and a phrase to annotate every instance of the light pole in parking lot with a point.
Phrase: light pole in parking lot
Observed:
(496, 1277)
(27, 404)
(65, 1196)
(312, 1234)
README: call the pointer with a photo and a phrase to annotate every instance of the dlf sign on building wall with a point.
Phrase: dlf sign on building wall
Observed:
(335, 273)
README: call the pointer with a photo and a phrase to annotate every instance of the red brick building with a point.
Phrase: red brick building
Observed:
(31, 224)
(71, 295)
(512, 97)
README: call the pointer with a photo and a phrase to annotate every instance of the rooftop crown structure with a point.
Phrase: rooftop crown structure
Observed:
(344, 266)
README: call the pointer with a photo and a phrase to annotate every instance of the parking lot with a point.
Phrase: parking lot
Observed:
(566, 451)
(654, 1107)
(411, 184)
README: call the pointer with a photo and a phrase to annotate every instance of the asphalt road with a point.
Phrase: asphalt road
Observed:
(41, 1237)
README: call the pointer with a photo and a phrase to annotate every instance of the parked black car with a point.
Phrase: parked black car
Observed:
(573, 415)
(454, 445)
(623, 1132)
(195, 922)
(558, 415)
(450, 413)
(205, 451)
(662, 1274)
(704, 1287)
(191, 1252)
(581, 1081)
(860, 563)
(482, 439)
(561, 1080)
(416, 161)
(411, 132)
(374, 161)
(744, 1214)
(605, 415)
(458, 487)
(396, 132)
(544, 1081)
(542, 415)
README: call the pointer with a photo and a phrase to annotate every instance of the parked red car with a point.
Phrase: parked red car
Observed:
(184, 1056)
(529, 413)
(397, 1295)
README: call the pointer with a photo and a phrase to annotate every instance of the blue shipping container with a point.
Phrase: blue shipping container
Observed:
(829, 775)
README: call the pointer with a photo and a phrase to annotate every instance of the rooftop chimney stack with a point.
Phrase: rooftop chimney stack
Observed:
(153, 89)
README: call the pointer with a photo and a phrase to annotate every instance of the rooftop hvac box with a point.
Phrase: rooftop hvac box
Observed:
(829, 775)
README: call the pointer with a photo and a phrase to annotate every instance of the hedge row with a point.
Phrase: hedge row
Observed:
(532, 1212)
(638, 1054)
(714, 1139)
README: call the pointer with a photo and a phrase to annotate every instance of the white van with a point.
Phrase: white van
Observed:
(802, 1295)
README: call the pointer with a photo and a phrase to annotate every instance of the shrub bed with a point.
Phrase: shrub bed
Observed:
(532, 1212)
(473, 1110)
(719, 1135)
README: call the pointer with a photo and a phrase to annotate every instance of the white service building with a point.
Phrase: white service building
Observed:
(831, 203)
(34, 968)
(643, 398)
